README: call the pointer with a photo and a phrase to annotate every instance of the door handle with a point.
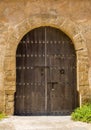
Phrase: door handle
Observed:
(52, 87)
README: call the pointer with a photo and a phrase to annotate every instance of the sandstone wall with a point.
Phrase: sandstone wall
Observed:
(14, 12)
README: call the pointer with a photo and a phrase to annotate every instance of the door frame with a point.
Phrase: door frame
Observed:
(70, 29)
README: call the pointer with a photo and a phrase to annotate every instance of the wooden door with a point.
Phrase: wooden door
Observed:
(45, 73)
(61, 75)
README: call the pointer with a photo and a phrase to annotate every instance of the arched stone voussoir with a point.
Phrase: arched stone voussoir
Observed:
(64, 24)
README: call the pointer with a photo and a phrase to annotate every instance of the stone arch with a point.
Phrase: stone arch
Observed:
(65, 25)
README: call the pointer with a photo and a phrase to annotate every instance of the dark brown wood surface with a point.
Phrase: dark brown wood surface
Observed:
(45, 73)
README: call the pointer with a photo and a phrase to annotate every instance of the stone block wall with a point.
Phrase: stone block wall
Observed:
(17, 17)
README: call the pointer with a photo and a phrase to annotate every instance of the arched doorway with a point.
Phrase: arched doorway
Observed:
(45, 73)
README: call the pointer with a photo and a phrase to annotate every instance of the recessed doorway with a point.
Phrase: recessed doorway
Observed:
(45, 73)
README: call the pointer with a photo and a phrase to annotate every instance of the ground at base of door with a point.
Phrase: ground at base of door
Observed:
(42, 123)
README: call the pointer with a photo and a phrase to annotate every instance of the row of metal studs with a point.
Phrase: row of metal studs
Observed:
(43, 42)
(29, 83)
(35, 55)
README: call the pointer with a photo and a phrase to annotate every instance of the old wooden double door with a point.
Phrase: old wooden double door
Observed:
(45, 73)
